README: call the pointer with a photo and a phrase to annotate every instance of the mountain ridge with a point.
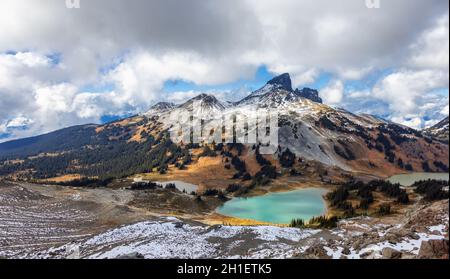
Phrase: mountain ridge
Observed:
(311, 130)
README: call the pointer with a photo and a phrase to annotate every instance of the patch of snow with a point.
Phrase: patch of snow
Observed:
(439, 228)
(335, 254)
(166, 239)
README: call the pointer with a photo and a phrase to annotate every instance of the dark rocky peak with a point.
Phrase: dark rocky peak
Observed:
(310, 94)
(282, 81)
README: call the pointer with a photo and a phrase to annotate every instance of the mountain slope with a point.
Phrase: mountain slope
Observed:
(113, 150)
(58, 141)
(312, 131)
(160, 107)
(439, 131)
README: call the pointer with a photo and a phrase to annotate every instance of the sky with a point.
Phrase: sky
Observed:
(114, 58)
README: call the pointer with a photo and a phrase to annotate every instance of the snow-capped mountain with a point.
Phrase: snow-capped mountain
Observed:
(312, 130)
(317, 132)
(278, 93)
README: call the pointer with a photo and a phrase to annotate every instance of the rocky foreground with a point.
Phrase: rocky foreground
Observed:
(359, 238)
(171, 238)
(45, 224)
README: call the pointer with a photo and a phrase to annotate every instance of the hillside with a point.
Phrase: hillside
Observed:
(439, 131)
(309, 132)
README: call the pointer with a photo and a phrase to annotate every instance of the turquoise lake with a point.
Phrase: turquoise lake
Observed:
(279, 208)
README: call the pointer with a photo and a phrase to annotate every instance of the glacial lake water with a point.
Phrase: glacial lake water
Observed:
(410, 178)
(279, 208)
(181, 185)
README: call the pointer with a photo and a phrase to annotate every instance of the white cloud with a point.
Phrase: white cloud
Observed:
(305, 77)
(18, 122)
(359, 94)
(408, 95)
(32, 59)
(414, 122)
(432, 48)
(445, 109)
(411, 98)
(136, 46)
(402, 89)
(333, 93)
(353, 73)
(342, 37)
(140, 78)
(3, 128)
(56, 98)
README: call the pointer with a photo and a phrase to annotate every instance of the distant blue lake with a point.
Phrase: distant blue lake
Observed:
(410, 178)
(279, 208)
(181, 185)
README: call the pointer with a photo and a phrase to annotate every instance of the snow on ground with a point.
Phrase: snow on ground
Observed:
(439, 228)
(266, 233)
(171, 238)
(408, 245)
(41, 227)
(153, 240)
(373, 249)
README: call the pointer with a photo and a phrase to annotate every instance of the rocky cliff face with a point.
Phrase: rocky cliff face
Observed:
(310, 94)
(282, 81)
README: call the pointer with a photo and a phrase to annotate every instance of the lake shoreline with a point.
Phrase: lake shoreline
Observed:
(273, 207)
(230, 220)
(277, 186)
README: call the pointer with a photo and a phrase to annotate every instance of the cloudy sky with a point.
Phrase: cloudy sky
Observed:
(111, 58)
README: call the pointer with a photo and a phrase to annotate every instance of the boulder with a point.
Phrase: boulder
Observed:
(389, 253)
(392, 238)
(346, 251)
(415, 236)
(316, 252)
(370, 255)
(131, 256)
(434, 249)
